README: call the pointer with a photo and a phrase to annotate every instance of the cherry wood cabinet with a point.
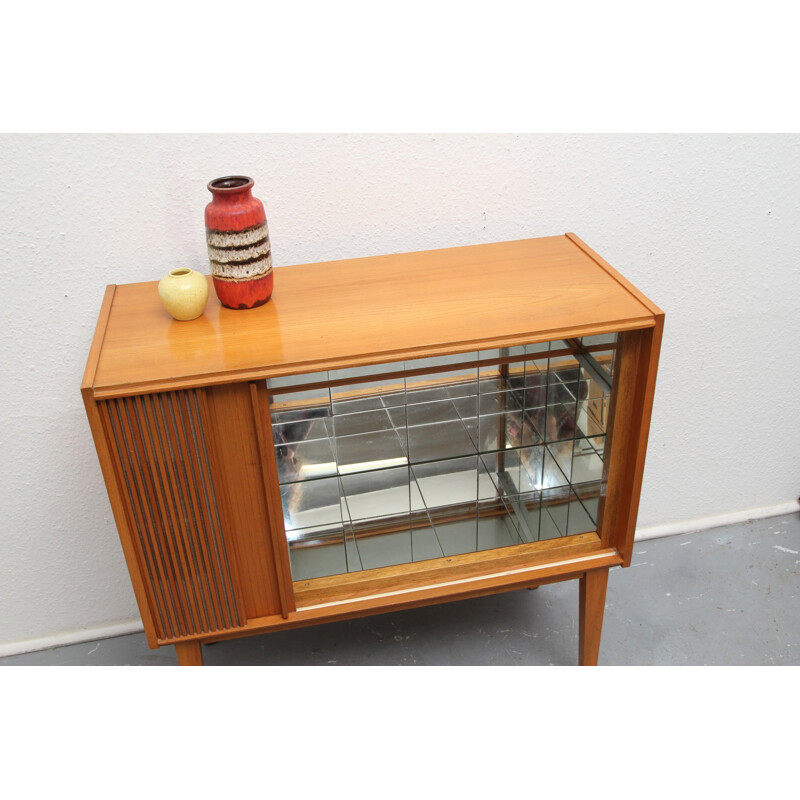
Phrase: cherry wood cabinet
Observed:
(386, 432)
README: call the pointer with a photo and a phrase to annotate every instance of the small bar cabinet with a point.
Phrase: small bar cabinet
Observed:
(385, 433)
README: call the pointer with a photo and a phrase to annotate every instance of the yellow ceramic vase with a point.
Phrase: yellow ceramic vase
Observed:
(184, 293)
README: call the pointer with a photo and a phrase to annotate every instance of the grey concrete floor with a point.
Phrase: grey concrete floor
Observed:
(727, 596)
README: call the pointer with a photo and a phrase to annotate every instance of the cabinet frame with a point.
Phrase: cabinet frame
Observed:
(232, 412)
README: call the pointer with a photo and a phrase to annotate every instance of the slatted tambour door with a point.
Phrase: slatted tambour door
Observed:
(160, 448)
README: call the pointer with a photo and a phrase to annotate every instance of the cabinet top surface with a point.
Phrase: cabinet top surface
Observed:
(381, 308)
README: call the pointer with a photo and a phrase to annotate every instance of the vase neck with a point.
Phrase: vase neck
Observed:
(232, 189)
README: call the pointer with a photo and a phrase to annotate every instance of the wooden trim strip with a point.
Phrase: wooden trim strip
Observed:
(368, 359)
(617, 431)
(646, 383)
(477, 364)
(626, 284)
(423, 573)
(97, 339)
(554, 567)
(269, 475)
(626, 445)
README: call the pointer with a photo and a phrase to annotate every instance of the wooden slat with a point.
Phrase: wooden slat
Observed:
(176, 460)
(130, 448)
(178, 533)
(163, 530)
(123, 514)
(224, 559)
(213, 588)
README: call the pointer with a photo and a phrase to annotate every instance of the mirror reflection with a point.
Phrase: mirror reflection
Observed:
(427, 458)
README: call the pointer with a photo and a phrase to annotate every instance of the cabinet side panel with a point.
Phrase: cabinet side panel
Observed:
(237, 472)
(632, 403)
(159, 444)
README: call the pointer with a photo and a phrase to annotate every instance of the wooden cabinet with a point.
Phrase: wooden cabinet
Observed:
(384, 433)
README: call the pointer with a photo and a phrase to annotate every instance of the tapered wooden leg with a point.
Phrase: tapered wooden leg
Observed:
(590, 616)
(190, 654)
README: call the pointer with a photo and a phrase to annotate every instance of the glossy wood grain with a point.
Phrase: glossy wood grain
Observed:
(366, 310)
(565, 567)
(424, 574)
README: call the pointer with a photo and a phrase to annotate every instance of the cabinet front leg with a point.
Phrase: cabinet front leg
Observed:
(190, 654)
(590, 617)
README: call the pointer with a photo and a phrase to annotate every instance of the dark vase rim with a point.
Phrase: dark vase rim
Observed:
(230, 183)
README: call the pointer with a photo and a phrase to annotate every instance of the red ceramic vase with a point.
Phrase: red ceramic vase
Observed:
(238, 243)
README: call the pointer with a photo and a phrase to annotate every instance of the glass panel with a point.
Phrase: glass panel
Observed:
(312, 503)
(388, 492)
(301, 430)
(456, 528)
(317, 556)
(384, 541)
(402, 462)
(579, 520)
(602, 349)
(563, 388)
(593, 405)
(497, 526)
(554, 513)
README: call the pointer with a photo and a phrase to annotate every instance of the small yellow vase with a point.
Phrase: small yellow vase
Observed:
(184, 293)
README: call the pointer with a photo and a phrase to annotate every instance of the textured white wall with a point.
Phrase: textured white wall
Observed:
(708, 226)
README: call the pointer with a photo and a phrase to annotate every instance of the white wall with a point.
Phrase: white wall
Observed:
(708, 226)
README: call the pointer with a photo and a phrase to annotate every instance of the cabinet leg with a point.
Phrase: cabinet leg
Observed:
(190, 654)
(590, 616)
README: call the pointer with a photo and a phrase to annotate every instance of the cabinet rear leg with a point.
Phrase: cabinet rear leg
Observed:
(190, 654)
(590, 616)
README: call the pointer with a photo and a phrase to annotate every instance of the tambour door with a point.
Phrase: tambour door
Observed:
(190, 471)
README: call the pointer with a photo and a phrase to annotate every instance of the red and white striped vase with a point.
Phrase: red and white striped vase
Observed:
(238, 243)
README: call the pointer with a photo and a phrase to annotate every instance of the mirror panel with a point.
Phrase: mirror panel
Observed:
(397, 463)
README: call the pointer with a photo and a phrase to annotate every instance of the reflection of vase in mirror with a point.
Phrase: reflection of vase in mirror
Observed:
(241, 338)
